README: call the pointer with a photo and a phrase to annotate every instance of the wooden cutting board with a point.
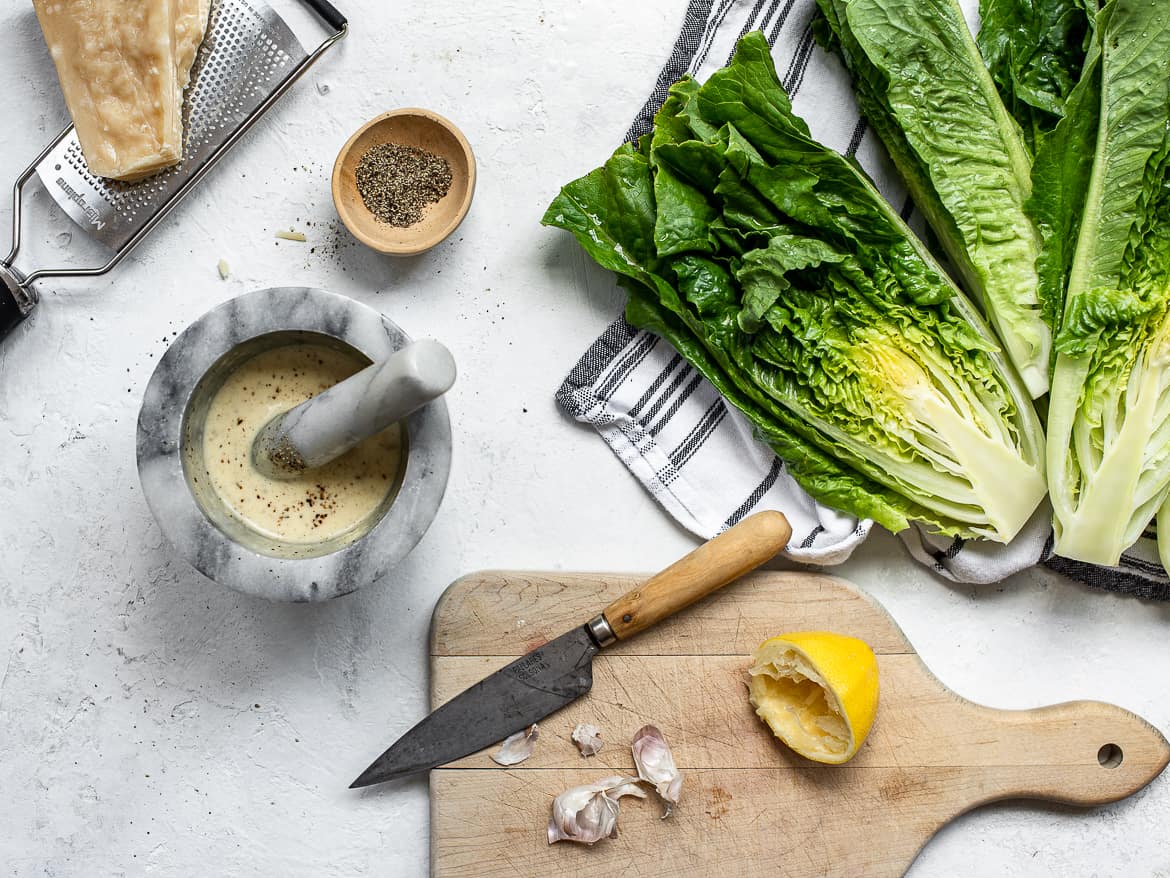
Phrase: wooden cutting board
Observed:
(749, 806)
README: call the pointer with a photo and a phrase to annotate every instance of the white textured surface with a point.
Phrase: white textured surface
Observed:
(154, 723)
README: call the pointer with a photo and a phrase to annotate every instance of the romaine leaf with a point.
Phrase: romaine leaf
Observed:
(922, 84)
(1060, 183)
(1035, 51)
(812, 307)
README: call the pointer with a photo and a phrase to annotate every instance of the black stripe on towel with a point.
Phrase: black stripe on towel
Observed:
(753, 17)
(693, 30)
(774, 33)
(858, 136)
(709, 37)
(629, 362)
(696, 380)
(757, 495)
(636, 409)
(592, 363)
(1139, 565)
(1110, 578)
(701, 432)
(795, 76)
(942, 555)
(812, 537)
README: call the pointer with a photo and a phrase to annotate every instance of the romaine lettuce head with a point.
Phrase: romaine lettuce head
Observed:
(775, 268)
(924, 89)
(1109, 415)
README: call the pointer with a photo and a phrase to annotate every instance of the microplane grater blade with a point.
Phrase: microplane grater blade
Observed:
(247, 51)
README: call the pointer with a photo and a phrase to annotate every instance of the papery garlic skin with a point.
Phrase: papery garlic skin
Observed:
(589, 813)
(587, 737)
(518, 747)
(656, 765)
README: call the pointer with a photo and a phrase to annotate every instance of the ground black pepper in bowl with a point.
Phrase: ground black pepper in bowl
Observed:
(397, 182)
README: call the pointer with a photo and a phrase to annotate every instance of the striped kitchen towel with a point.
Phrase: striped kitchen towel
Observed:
(696, 454)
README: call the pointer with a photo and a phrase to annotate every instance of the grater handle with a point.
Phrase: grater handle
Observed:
(15, 301)
(329, 13)
(17, 297)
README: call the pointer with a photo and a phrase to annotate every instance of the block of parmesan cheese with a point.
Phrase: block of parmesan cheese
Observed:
(122, 66)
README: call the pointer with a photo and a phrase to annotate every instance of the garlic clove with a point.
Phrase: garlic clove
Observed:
(587, 737)
(518, 747)
(589, 813)
(656, 765)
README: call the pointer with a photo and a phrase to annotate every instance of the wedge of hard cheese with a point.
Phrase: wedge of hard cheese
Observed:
(122, 66)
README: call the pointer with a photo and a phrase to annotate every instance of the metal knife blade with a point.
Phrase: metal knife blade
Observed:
(512, 698)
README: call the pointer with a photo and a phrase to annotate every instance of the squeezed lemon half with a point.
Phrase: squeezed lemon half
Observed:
(817, 691)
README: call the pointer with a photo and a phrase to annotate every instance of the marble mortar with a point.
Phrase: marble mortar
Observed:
(192, 517)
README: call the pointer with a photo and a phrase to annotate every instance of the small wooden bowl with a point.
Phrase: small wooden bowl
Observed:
(408, 127)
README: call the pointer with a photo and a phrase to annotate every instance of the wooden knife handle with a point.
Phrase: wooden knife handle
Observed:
(717, 562)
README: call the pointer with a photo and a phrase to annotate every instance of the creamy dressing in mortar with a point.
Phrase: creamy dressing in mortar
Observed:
(314, 505)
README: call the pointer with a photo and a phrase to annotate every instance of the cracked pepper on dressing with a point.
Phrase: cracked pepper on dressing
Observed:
(314, 505)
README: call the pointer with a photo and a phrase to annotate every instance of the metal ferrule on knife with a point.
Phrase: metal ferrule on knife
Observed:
(600, 631)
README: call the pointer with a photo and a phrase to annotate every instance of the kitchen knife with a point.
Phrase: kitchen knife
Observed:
(561, 671)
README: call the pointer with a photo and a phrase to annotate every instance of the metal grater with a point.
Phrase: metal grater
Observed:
(248, 59)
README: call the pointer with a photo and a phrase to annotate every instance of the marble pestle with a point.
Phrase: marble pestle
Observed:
(331, 423)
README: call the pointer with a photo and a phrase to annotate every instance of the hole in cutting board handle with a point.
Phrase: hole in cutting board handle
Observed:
(1110, 756)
